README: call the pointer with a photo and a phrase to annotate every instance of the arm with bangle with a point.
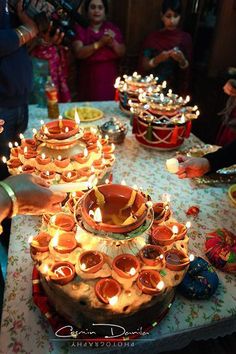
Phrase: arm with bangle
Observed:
(8, 202)
(25, 34)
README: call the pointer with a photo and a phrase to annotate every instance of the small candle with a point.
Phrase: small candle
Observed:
(172, 165)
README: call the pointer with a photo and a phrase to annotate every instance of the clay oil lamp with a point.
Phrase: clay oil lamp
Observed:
(29, 143)
(161, 212)
(126, 265)
(178, 229)
(63, 222)
(70, 176)
(62, 273)
(14, 163)
(87, 136)
(92, 140)
(47, 175)
(43, 159)
(40, 242)
(60, 129)
(108, 149)
(82, 157)
(150, 282)
(15, 152)
(62, 162)
(91, 261)
(64, 243)
(122, 209)
(108, 290)
(73, 200)
(29, 154)
(27, 169)
(98, 164)
(93, 148)
(162, 235)
(152, 255)
(85, 172)
(176, 260)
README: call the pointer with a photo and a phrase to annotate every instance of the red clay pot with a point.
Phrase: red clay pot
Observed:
(106, 289)
(116, 197)
(61, 268)
(148, 280)
(176, 260)
(150, 255)
(56, 132)
(92, 261)
(123, 263)
(40, 242)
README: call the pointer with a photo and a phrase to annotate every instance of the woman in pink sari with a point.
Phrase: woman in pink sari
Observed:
(98, 48)
(57, 57)
(167, 53)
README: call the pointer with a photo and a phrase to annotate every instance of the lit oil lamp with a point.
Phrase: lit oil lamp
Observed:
(81, 157)
(43, 159)
(40, 242)
(178, 229)
(27, 169)
(91, 261)
(30, 143)
(14, 163)
(176, 260)
(62, 273)
(70, 176)
(85, 172)
(161, 212)
(108, 290)
(162, 235)
(126, 265)
(29, 153)
(48, 175)
(62, 162)
(65, 242)
(150, 282)
(63, 222)
(60, 129)
(152, 255)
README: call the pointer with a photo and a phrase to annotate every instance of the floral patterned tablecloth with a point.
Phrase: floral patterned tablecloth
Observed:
(25, 330)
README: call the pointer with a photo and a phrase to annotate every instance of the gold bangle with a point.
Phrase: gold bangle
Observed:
(12, 196)
(185, 65)
(20, 36)
(1, 229)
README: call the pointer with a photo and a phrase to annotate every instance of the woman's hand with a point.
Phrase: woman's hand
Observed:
(34, 196)
(177, 55)
(230, 87)
(190, 167)
(25, 19)
(1, 125)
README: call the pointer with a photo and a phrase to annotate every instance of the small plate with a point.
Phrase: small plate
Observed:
(86, 114)
(232, 193)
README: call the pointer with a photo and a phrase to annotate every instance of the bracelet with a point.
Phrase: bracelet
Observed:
(20, 36)
(12, 196)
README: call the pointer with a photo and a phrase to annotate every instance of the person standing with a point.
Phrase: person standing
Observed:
(167, 53)
(15, 75)
(98, 49)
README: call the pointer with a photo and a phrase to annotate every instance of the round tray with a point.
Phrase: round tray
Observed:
(86, 114)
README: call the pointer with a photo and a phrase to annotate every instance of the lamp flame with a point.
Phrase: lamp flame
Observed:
(98, 215)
